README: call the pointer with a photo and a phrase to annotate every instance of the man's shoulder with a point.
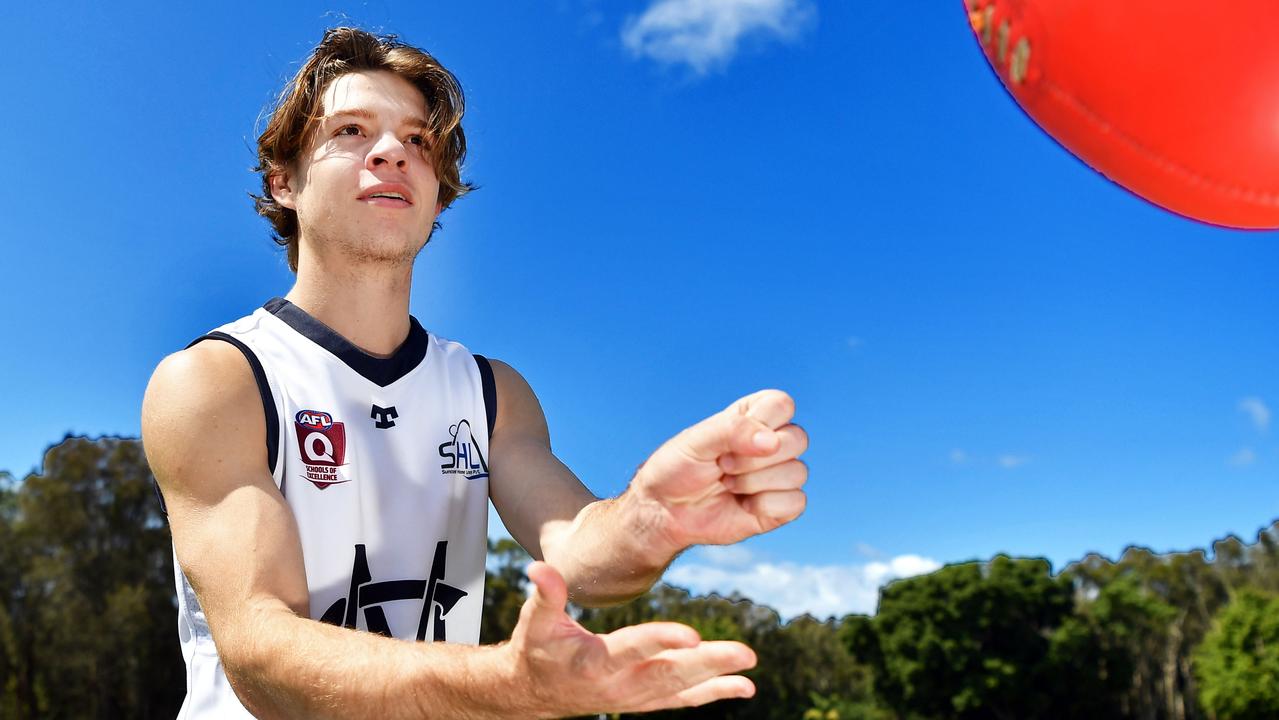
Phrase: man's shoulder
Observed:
(507, 376)
(205, 379)
(518, 409)
(202, 418)
(203, 365)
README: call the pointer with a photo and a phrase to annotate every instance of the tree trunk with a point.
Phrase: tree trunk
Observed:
(1172, 692)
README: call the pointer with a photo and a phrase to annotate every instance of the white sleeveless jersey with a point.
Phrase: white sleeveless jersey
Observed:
(384, 464)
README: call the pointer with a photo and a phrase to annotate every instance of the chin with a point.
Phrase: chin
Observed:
(382, 251)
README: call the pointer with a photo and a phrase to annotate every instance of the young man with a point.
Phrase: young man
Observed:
(326, 459)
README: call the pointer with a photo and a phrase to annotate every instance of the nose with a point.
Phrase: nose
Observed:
(388, 150)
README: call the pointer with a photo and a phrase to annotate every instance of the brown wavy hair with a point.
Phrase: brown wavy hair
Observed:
(298, 110)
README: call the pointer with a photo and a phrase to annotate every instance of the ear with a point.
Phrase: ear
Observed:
(282, 189)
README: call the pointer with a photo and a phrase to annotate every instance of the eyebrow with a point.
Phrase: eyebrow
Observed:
(413, 121)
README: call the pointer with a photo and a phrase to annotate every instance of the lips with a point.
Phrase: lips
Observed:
(388, 195)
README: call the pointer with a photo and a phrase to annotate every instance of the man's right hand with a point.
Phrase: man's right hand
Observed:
(572, 671)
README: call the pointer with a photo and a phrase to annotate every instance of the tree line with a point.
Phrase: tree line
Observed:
(88, 622)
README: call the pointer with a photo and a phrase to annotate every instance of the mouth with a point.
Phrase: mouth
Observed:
(388, 196)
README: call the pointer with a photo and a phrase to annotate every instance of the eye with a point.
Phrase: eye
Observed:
(419, 140)
(348, 130)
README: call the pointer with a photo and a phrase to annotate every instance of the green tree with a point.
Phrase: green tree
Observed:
(804, 660)
(802, 664)
(834, 707)
(1263, 561)
(1238, 662)
(1233, 561)
(88, 614)
(504, 590)
(12, 668)
(967, 641)
(715, 617)
(1107, 649)
(1164, 684)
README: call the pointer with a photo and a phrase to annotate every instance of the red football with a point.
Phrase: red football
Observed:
(1176, 100)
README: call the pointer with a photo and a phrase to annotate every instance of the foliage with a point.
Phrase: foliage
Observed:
(1106, 650)
(1238, 662)
(1004, 639)
(87, 611)
(1162, 682)
(967, 641)
(835, 707)
(504, 590)
(797, 661)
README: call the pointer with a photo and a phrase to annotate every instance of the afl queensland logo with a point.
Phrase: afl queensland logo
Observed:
(462, 454)
(323, 445)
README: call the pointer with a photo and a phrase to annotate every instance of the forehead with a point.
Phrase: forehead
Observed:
(377, 91)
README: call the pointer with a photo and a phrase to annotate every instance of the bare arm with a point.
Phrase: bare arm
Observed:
(236, 539)
(554, 516)
(731, 476)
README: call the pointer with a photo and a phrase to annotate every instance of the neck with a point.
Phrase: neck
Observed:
(368, 304)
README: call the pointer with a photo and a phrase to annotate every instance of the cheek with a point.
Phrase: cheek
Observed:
(316, 199)
(428, 174)
(430, 186)
(324, 178)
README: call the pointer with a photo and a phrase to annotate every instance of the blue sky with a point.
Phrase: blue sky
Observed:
(993, 348)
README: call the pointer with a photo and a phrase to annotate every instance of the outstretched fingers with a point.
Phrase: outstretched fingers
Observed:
(571, 671)
(637, 643)
(672, 672)
(724, 687)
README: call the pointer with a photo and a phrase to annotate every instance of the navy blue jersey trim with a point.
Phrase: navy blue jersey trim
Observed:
(164, 509)
(490, 392)
(380, 371)
(264, 389)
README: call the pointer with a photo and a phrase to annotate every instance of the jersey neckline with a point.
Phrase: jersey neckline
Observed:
(380, 371)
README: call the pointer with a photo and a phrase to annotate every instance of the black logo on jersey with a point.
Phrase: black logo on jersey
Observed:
(462, 454)
(384, 417)
(437, 598)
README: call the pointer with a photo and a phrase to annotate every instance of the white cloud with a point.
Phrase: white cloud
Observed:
(958, 457)
(1257, 411)
(1243, 458)
(726, 555)
(868, 551)
(706, 34)
(793, 589)
(1011, 461)
(901, 566)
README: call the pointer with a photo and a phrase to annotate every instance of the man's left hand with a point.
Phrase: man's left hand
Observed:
(727, 478)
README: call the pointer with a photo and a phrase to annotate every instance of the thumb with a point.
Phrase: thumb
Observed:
(546, 603)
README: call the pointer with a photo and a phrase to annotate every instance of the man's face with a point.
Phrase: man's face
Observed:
(364, 185)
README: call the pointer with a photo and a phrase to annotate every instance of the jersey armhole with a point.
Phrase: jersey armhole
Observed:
(264, 389)
(490, 392)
